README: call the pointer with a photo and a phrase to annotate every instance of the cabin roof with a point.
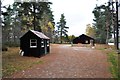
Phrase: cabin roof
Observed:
(40, 34)
(85, 36)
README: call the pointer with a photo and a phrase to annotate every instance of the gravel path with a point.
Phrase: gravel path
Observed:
(65, 61)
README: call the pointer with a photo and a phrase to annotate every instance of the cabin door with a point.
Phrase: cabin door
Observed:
(45, 47)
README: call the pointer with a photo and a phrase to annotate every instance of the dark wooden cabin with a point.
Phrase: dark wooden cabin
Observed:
(34, 43)
(84, 39)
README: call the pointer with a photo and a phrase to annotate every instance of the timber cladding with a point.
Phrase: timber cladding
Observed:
(34, 43)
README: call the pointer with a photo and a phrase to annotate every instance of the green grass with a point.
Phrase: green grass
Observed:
(113, 59)
(12, 62)
(0, 65)
(119, 66)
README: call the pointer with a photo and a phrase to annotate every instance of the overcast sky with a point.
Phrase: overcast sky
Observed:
(78, 13)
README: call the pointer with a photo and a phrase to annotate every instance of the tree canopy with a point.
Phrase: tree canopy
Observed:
(20, 17)
(90, 31)
(102, 25)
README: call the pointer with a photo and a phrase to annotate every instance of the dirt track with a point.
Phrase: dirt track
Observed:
(65, 61)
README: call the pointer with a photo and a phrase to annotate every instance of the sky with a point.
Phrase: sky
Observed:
(78, 13)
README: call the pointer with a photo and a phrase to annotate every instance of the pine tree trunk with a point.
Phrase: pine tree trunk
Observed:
(61, 36)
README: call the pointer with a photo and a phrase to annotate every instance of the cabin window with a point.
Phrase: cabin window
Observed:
(33, 43)
(42, 43)
(86, 41)
(47, 43)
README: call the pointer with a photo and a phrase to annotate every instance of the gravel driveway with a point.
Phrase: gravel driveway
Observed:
(65, 61)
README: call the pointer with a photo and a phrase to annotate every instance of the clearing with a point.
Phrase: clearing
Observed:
(65, 61)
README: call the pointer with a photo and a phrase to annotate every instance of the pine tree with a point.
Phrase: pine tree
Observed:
(102, 23)
(62, 28)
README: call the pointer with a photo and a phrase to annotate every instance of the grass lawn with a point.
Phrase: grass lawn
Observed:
(119, 65)
(12, 62)
(0, 65)
(113, 59)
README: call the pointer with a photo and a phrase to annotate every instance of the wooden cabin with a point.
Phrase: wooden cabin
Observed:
(34, 43)
(83, 39)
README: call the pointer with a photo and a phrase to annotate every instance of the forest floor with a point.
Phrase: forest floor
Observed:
(66, 61)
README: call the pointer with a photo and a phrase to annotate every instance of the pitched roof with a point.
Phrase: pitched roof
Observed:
(85, 36)
(40, 34)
